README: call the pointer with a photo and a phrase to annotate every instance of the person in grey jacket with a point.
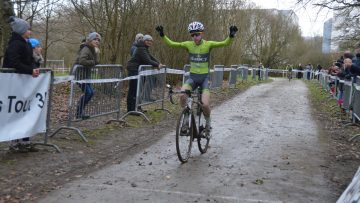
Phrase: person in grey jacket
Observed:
(141, 56)
(87, 57)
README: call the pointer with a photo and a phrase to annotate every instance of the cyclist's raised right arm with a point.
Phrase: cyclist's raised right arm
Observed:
(171, 43)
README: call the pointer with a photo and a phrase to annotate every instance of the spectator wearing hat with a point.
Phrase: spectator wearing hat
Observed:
(141, 56)
(37, 52)
(19, 52)
(19, 55)
(88, 58)
(138, 38)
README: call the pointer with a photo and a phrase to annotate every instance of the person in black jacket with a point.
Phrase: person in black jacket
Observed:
(19, 55)
(141, 56)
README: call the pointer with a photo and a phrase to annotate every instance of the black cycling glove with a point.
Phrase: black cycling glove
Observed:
(233, 30)
(160, 30)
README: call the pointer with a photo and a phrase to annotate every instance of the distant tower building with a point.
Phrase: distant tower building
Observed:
(336, 29)
(326, 44)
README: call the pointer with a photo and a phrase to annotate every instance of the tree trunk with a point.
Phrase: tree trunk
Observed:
(6, 10)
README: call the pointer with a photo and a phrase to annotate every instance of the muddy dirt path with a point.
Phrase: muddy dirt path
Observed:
(265, 148)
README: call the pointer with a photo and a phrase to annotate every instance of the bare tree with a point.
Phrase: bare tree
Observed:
(348, 12)
(271, 36)
(264, 37)
(6, 10)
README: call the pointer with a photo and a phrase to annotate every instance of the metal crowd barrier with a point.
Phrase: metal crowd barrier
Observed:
(95, 91)
(217, 77)
(266, 72)
(233, 75)
(322, 80)
(253, 72)
(347, 94)
(356, 104)
(358, 80)
(49, 102)
(151, 85)
(243, 72)
(261, 73)
(327, 79)
(186, 72)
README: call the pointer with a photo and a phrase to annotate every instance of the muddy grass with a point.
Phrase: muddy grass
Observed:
(24, 177)
(343, 155)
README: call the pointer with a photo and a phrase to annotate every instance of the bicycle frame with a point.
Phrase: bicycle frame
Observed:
(194, 126)
(189, 104)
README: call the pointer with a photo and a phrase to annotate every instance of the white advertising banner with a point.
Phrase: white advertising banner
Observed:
(23, 105)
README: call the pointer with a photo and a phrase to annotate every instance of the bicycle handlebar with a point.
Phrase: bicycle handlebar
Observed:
(171, 92)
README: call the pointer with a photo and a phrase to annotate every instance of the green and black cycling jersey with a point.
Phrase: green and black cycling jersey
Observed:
(199, 55)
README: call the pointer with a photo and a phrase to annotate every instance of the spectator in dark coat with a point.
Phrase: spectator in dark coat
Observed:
(19, 55)
(142, 56)
(300, 68)
(318, 70)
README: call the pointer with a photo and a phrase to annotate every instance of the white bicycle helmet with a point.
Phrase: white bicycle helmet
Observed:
(195, 27)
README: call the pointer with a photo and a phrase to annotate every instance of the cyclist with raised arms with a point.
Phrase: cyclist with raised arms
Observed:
(199, 56)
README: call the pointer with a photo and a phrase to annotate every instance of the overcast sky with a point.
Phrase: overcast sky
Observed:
(311, 20)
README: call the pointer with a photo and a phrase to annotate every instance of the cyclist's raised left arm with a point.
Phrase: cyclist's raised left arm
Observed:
(227, 41)
(233, 29)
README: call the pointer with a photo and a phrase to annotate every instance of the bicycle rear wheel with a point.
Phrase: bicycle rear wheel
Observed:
(184, 136)
(202, 138)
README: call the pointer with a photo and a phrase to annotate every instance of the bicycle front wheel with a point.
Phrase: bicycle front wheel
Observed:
(184, 136)
(202, 138)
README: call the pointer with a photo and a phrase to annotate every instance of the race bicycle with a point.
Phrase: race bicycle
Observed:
(191, 124)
